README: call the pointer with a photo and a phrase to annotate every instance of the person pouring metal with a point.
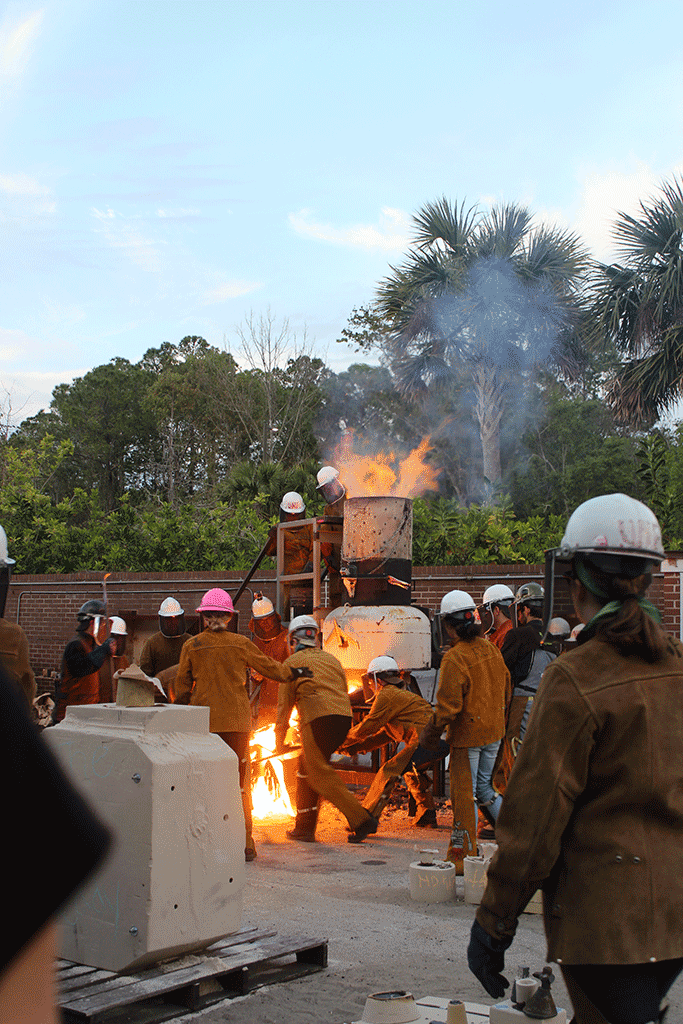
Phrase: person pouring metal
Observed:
(593, 810)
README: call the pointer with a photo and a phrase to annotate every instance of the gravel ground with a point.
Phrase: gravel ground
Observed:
(358, 898)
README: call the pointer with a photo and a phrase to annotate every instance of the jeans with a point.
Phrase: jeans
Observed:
(424, 756)
(482, 760)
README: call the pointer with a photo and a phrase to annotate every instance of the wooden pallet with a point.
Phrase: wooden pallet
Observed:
(231, 967)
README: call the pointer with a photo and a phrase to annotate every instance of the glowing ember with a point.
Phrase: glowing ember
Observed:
(383, 473)
(269, 795)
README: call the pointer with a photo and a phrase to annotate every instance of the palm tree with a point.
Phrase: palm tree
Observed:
(487, 296)
(639, 308)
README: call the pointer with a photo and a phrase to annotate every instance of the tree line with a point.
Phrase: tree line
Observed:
(538, 374)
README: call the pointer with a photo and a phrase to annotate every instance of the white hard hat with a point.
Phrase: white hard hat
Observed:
(456, 601)
(302, 622)
(559, 627)
(170, 607)
(326, 475)
(382, 664)
(117, 626)
(261, 606)
(305, 629)
(498, 594)
(4, 556)
(613, 524)
(576, 630)
(292, 503)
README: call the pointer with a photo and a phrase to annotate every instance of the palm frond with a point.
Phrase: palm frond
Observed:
(441, 222)
(645, 388)
(501, 233)
(553, 254)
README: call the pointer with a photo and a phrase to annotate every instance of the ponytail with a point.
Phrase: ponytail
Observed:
(627, 621)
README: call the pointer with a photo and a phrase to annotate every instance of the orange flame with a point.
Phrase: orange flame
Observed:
(269, 795)
(383, 473)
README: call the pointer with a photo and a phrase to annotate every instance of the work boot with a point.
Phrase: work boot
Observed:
(302, 834)
(249, 854)
(365, 829)
(427, 820)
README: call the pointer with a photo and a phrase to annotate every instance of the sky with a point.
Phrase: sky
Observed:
(169, 168)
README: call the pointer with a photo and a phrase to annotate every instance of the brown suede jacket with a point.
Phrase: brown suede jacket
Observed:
(14, 658)
(213, 672)
(402, 714)
(593, 811)
(161, 652)
(326, 693)
(474, 690)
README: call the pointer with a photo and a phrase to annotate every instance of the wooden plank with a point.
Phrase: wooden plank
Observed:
(231, 968)
(111, 995)
(83, 981)
(238, 939)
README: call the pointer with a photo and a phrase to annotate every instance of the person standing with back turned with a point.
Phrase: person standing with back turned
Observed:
(322, 701)
(474, 688)
(213, 673)
(593, 810)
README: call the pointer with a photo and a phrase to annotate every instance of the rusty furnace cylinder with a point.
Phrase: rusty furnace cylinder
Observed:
(376, 555)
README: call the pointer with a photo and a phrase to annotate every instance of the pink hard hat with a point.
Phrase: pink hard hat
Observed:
(216, 600)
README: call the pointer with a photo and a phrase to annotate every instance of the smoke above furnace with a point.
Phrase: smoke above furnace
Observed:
(481, 338)
(493, 317)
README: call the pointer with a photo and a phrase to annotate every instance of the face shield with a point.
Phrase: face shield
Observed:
(332, 491)
(558, 566)
(172, 625)
(266, 627)
(486, 614)
(98, 628)
(121, 640)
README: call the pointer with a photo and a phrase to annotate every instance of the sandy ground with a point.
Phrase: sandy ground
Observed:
(358, 898)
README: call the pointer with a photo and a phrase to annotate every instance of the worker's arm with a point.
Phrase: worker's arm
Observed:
(146, 660)
(450, 695)
(549, 776)
(184, 680)
(286, 698)
(83, 663)
(373, 722)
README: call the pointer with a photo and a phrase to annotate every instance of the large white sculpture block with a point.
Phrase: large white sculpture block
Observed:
(169, 790)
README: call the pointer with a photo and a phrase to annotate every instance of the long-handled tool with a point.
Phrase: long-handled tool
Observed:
(259, 558)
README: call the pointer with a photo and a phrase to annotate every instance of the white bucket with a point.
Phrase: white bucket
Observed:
(432, 883)
(474, 873)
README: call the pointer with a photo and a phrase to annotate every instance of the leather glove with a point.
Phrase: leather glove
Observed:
(302, 673)
(99, 654)
(486, 960)
(430, 735)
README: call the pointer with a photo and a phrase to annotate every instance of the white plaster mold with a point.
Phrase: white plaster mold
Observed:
(169, 791)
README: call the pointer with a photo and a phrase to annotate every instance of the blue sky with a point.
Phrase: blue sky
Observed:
(168, 167)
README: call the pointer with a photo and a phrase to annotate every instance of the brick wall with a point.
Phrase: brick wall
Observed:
(46, 605)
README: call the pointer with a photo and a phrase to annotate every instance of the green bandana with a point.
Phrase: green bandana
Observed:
(611, 608)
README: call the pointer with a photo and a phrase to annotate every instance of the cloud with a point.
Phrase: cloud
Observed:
(229, 290)
(25, 391)
(604, 194)
(26, 196)
(16, 38)
(390, 233)
(124, 234)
